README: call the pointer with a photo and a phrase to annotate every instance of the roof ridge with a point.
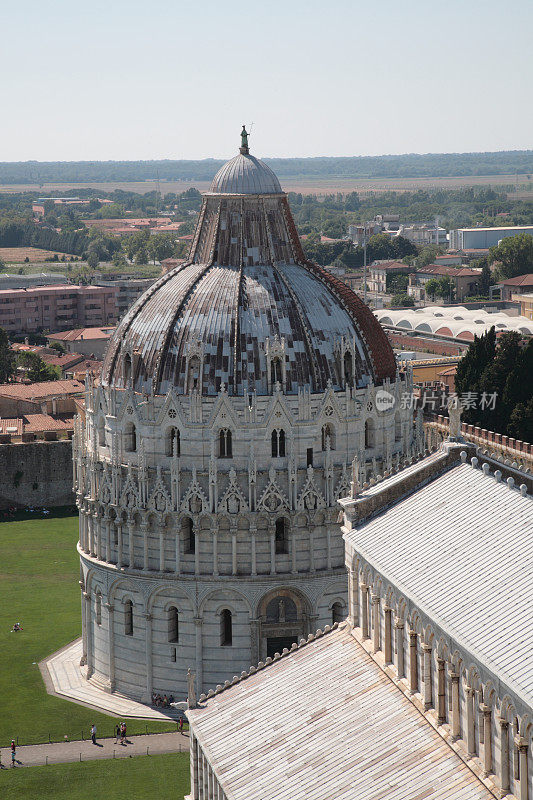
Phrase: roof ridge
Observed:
(268, 661)
(497, 474)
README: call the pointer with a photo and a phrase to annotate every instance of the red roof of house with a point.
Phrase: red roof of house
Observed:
(35, 423)
(520, 280)
(82, 333)
(37, 391)
(443, 269)
(385, 265)
(62, 360)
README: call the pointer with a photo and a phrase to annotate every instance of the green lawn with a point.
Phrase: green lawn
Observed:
(39, 573)
(162, 777)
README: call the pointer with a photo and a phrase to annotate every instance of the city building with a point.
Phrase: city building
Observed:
(511, 288)
(48, 308)
(87, 341)
(452, 322)
(378, 272)
(127, 290)
(465, 281)
(208, 462)
(10, 281)
(48, 397)
(483, 238)
(426, 690)
(526, 304)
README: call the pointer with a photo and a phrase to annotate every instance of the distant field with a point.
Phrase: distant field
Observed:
(17, 255)
(318, 186)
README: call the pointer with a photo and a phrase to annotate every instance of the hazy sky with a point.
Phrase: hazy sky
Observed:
(176, 79)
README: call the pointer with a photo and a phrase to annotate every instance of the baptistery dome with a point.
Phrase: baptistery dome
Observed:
(240, 398)
(246, 290)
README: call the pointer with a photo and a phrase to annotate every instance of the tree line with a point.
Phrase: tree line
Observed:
(410, 165)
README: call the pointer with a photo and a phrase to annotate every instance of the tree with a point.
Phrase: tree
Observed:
(446, 288)
(427, 255)
(514, 256)
(160, 246)
(485, 280)
(92, 259)
(37, 370)
(2, 265)
(397, 283)
(431, 288)
(7, 358)
(402, 300)
(58, 346)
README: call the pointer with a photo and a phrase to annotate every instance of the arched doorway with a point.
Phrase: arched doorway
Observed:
(283, 620)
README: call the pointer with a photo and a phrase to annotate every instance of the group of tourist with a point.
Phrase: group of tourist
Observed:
(162, 701)
(120, 733)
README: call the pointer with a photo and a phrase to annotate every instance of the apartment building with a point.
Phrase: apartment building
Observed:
(56, 308)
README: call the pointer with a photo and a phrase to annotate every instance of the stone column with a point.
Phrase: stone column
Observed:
(194, 765)
(119, 545)
(234, 552)
(441, 691)
(504, 758)
(131, 554)
(149, 659)
(470, 722)
(413, 661)
(92, 548)
(294, 539)
(523, 748)
(161, 548)
(177, 552)
(376, 622)
(254, 641)
(253, 534)
(215, 551)
(364, 605)
(428, 678)
(328, 546)
(196, 549)
(312, 549)
(144, 530)
(456, 711)
(199, 649)
(98, 524)
(272, 551)
(487, 739)
(351, 597)
(399, 624)
(83, 659)
(89, 628)
(111, 645)
(108, 540)
(388, 635)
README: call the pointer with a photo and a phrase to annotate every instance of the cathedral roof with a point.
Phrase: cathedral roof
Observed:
(245, 174)
(246, 294)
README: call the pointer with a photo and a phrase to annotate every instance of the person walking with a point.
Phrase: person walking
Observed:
(93, 734)
(13, 752)
(117, 732)
(181, 724)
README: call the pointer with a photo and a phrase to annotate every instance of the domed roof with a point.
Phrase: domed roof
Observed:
(245, 174)
(247, 297)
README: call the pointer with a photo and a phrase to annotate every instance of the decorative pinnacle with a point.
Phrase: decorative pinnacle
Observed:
(244, 149)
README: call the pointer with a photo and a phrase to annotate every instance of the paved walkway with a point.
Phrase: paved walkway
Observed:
(63, 677)
(66, 752)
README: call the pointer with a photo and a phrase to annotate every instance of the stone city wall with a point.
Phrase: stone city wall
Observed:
(36, 474)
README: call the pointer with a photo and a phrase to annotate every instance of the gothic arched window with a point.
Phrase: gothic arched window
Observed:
(328, 433)
(190, 538)
(127, 368)
(337, 613)
(276, 375)
(101, 432)
(173, 442)
(370, 433)
(348, 369)
(173, 624)
(226, 628)
(225, 449)
(128, 618)
(397, 427)
(130, 437)
(282, 536)
(193, 374)
(278, 443)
